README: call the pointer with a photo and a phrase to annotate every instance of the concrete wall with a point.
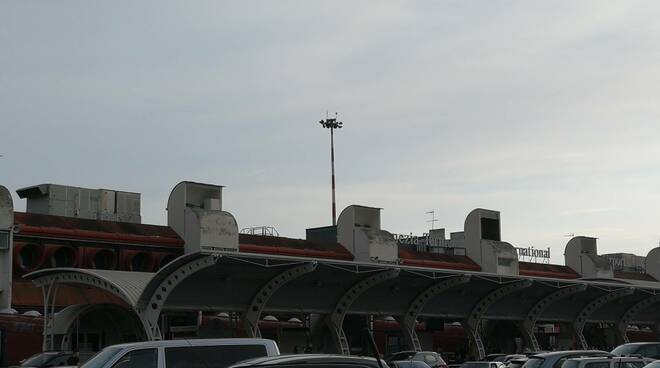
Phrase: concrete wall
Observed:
(6, 247)
(358, 230)
(581, 254)
(194, 211)
(482, 240)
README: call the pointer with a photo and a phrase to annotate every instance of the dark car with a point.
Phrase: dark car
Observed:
(645, 349)
(311, 360)
(54, 359)
(431, 358)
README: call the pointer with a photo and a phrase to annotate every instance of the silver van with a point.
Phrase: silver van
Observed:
(194, 353)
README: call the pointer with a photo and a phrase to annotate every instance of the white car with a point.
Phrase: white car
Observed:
(202, 353)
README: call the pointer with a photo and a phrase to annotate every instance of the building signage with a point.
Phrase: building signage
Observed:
(533, 253)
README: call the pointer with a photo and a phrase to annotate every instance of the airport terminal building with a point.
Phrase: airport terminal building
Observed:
(95, 275)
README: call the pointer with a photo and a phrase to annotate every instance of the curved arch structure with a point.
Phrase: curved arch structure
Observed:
(627, 317)
(128, 286)
(416, 306)
(336, 319)
(263, 295)
(176, 272)
(535, 312)
(587, 311)
(474, 318)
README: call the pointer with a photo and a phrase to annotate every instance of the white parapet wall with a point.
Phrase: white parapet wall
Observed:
(581, 254)
(194, 211)
(652, 263)
(358, 229)
(6, 240)
(483, 244)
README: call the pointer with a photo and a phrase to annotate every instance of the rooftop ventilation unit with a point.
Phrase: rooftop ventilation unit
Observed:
(94, 204)
(194, 211)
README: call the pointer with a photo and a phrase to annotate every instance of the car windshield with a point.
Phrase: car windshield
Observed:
(625, 349)
(533, 362)
(101, 358)
(39, 360)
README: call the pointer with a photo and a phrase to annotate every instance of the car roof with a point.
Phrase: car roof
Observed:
(194, 342)
(303, 358)
(564, 352)
(624, 358)
(642, 343)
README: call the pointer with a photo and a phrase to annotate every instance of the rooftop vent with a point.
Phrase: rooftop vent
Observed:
(94, 204)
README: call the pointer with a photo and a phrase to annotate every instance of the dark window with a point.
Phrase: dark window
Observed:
(144, 358)
(649, 351)
(630, 365)
(211, 356)
(597, 365)
(490, 229)
(533, 362)
(4, 240)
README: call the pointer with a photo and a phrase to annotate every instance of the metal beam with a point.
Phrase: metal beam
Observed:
(409, 320)
(151, 312)
(629, 314)
(587, 311)
(535, 312)
(474, 318)
(267, 291)
(336, 319)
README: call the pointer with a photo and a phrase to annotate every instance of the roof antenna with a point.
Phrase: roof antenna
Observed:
(432, 220)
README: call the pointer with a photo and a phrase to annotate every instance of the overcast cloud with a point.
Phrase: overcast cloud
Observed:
(547, 111)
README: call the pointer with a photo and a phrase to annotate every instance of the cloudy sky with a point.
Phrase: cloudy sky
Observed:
(546, 111)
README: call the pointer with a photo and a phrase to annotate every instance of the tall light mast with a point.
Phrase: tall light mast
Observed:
(332, 124)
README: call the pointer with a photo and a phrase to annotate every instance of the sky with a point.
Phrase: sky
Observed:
(544, 110)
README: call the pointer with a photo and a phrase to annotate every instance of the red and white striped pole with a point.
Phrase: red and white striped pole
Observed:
(332, 124)
(332, 160)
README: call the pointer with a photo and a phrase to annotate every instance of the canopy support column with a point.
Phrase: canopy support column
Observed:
(267, 291)
(473, 321)
(586, 312)
(625, 319)
(409, 320)
(150, 313)
(336, 320)
(49, 291)
(527, 326)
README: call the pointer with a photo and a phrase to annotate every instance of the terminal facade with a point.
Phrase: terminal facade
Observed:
(80, 270)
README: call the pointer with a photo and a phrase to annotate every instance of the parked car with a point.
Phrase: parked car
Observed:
(408, 364)
(645, 349)
(431, 358)
(482, 364)
(605, 362)
(555, 359)
(510, 357)
(315, 360)
(516, 363)
(653, 364)
(196, 353)
(55, 359)
(494, 358)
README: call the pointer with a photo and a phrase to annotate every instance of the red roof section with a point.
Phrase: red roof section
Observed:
(546, 270)
(95, 230)
(411, 257)
(633, 276)
(292, 247)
